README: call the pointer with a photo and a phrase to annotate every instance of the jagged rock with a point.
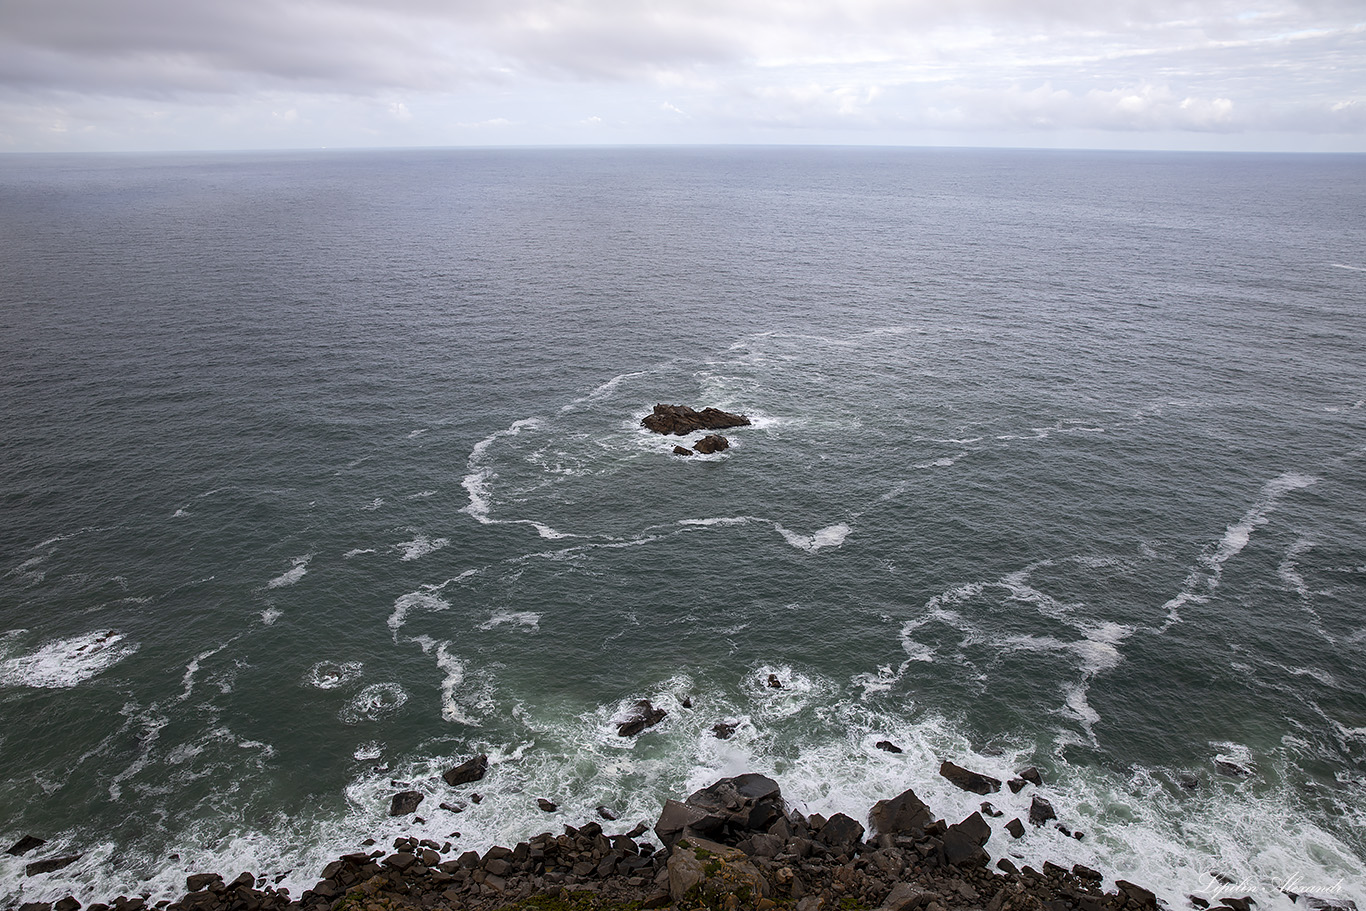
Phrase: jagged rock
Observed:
(25, 845)
(963, 842)
(1232, 769)
(907, 897)
(709, 871)
(740, 805)
(905, 814)
(989, 809)
(67, 904)
(51, 864)
(680, 420)
(547, 806)
(687, 702)
(1137, 894)
(639, 717)
(405, 802)
(1016, 785)
(774, 683)
(712, 442)
(1015, 828)
(888, 746)
(724, 730)
(969, 780)
(1189, 782)
(839, 830)
(606, 812)
(682, 451)
(196, 881)
(1040, 811)
(1031, 775)
(471, 770)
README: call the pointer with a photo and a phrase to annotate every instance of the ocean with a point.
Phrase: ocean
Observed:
(323, 472)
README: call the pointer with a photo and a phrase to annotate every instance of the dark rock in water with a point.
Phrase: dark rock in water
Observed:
(50, 864)
(1031, 775)
(1063, 829)
(974, 827)
(1232, 769)
(712, 442)
(1239, 904)
(1016, 785)
(405, 802)
(476, 797)
(606, 813)
(969, 780)
(905, 814)
(888, 746)
(962, 850)
(67, 904)
(731, 808)
(687, 702)
(1189, 782)
(1040, 811)
(774, 683)
(452, 808)
(472, 770)
(840, 830)
(1137, 895)
(196, 881)
(25, 845)
(723, 730)
(1315, 903)
(682, 450)
(680, 420)
(639, 717)
(547, 806)
(1015, 828)
(1197, 902)
(990, 810)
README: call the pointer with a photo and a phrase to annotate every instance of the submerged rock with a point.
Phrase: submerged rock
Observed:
(50, 865)
(680, 420)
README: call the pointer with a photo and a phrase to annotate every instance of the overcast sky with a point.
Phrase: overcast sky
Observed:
(240, 74)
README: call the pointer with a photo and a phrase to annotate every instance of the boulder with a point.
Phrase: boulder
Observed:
(471, 770)
(840, 831)
(710, 873)
(1031, 775)
(639, 717)
(547, 806)
(51, 864)
(905, 814)
(888, 746)
(1015, 828)
(724, 730)
(712, 442)
(405, 802)
(682, 451)
(728, 810)
(969, 780)
(680, 420)
(25, 845)
(606, 812)
(1040, 811)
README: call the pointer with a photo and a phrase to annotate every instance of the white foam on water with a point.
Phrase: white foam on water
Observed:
(420, 600)
(330, 675)
(830, 536)
(291, 576)
(525, 619)
(64, 663)
(374, 702)
(420, 546)
(181, 513)
(1350, 268)
(723, 520)
(945, 462)
(601, 391)
(270, 615)
(477, 478)
(417, 433)
(421, 495)
(1205, 579)
(368, 751)
(374, 504)
(193, 668)
(462, 702)
(356, 552)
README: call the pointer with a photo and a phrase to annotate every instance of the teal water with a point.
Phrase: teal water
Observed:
(323, 471)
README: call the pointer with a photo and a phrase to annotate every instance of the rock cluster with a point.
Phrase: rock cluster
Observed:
(730, 846)
(680, 420)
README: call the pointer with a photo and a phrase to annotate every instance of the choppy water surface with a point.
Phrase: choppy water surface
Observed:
(322, 472)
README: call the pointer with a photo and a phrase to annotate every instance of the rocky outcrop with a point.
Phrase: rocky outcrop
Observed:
(680, 420)
(639, 717)
(468, 771)
(405, 802)
(732, 845)
(969, 780)
(712, 442)
(25, 845)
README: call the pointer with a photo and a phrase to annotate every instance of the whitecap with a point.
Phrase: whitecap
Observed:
(420, 546)
(374, 504)
(330, 675)
(368, 751)
(356, 552)
(180, 513)
(830, 536)
(270, 615)
(404, 604)
(417, 433)
(374, 702)
(528, 619)
(67, 662)
(721, 520)
(291, 576)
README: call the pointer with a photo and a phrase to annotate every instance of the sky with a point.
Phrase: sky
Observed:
(126, 75)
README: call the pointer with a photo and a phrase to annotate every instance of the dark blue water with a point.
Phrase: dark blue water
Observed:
(323, 471)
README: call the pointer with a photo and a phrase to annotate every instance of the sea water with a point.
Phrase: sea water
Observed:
(323, 472)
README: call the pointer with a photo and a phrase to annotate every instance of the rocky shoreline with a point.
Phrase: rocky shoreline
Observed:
(731, 846)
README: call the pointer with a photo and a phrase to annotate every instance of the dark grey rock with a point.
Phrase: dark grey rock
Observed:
(639, 717)
(1031, 775)
(50, 864)
(905, 814)
(547, 806)
(1040, 811)
(1015, 828)
(969, 780)
(470, 770)
(888, 746)
(25, 845)
(682, 451)
(680, 420)
(724, 730)
(840, 831)
(405, 802)
(712, 442)
(606, 812)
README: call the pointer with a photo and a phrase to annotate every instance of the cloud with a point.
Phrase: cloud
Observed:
(1201, 66)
